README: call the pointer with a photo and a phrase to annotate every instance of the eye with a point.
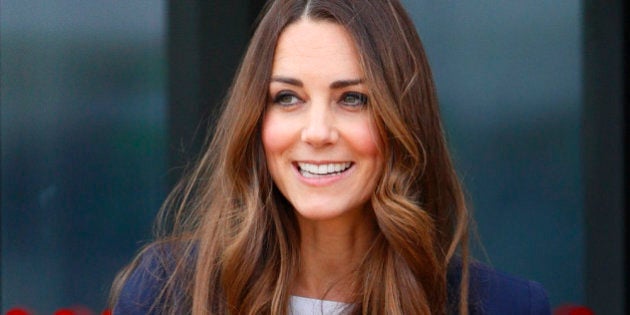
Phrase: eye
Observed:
(354, 99)
(286, 98)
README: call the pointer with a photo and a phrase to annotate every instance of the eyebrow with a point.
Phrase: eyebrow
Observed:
(335, 85)
(345, 83)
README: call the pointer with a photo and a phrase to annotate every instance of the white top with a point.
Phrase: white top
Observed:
(306, 306)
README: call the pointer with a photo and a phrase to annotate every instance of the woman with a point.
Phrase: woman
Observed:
(327, 187)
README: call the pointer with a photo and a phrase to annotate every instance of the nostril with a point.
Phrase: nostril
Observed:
(319, 135)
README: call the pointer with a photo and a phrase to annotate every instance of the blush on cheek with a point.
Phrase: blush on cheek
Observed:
(277, 140)
(269, 133)
(366, 141)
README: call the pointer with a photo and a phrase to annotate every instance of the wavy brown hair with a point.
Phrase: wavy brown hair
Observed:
(232, 242)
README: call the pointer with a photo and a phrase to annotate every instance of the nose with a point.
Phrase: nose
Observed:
(319, 128)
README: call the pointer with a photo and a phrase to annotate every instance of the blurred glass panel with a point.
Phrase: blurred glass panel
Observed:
(83, 145)
(509, 75)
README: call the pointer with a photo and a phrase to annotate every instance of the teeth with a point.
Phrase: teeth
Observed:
(313, 170)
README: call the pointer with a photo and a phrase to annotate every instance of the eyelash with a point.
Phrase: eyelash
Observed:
(360, 99)
(282, 94)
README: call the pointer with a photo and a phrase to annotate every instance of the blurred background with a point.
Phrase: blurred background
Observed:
(103, 102)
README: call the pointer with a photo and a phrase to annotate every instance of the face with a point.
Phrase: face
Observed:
(319, 139)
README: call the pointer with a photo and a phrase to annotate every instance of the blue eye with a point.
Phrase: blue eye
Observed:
(354, 99)
(285, 98)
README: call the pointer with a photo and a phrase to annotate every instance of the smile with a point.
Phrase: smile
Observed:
(311, 170)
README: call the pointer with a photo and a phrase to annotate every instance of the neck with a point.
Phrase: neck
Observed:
(330, 253)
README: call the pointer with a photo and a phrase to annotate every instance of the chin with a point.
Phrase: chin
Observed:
(318, 215)
(324, 213)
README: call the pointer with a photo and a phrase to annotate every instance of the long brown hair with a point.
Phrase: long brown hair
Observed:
(232, 242)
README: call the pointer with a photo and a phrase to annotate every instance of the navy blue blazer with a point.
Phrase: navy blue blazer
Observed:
(491, 292)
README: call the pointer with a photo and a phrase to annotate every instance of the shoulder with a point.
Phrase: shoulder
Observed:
(495, 292)
(143, 291)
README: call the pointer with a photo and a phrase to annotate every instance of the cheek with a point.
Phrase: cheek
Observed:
(366, 143)
(275, 138)
(268, 132)
(365, 140)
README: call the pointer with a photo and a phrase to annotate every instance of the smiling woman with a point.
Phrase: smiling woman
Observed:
(322, 152)
(327, 186)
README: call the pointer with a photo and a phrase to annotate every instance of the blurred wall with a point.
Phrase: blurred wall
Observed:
(509, 77)
(605, 131)
(84, 163)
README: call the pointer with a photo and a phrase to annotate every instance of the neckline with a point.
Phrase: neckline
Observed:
(298, 298)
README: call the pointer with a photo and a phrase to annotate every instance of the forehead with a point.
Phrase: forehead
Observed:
(320, 46)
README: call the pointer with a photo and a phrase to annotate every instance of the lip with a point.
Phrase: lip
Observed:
(324, 180)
